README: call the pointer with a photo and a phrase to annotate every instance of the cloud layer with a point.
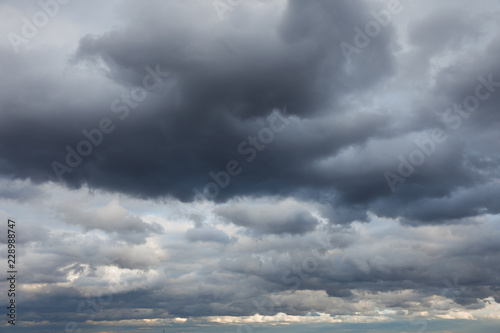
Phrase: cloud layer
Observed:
(274, 161)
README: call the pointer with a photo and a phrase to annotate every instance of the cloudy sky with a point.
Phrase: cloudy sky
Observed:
(251, 166)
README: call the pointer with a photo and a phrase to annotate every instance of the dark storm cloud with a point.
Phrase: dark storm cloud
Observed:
(451, 183)
(227, 81)
(459, 204)
(221, 82)
(221, 90)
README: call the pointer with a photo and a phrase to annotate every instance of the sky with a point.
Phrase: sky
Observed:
(251, 166)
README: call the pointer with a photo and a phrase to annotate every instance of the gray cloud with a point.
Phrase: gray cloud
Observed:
(272, 218)
(310, 224)
(216, 109)
(207, 234)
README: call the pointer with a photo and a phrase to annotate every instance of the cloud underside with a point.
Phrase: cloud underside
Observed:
(351, 124)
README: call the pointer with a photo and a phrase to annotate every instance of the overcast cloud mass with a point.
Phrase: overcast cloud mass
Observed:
(241, 166)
